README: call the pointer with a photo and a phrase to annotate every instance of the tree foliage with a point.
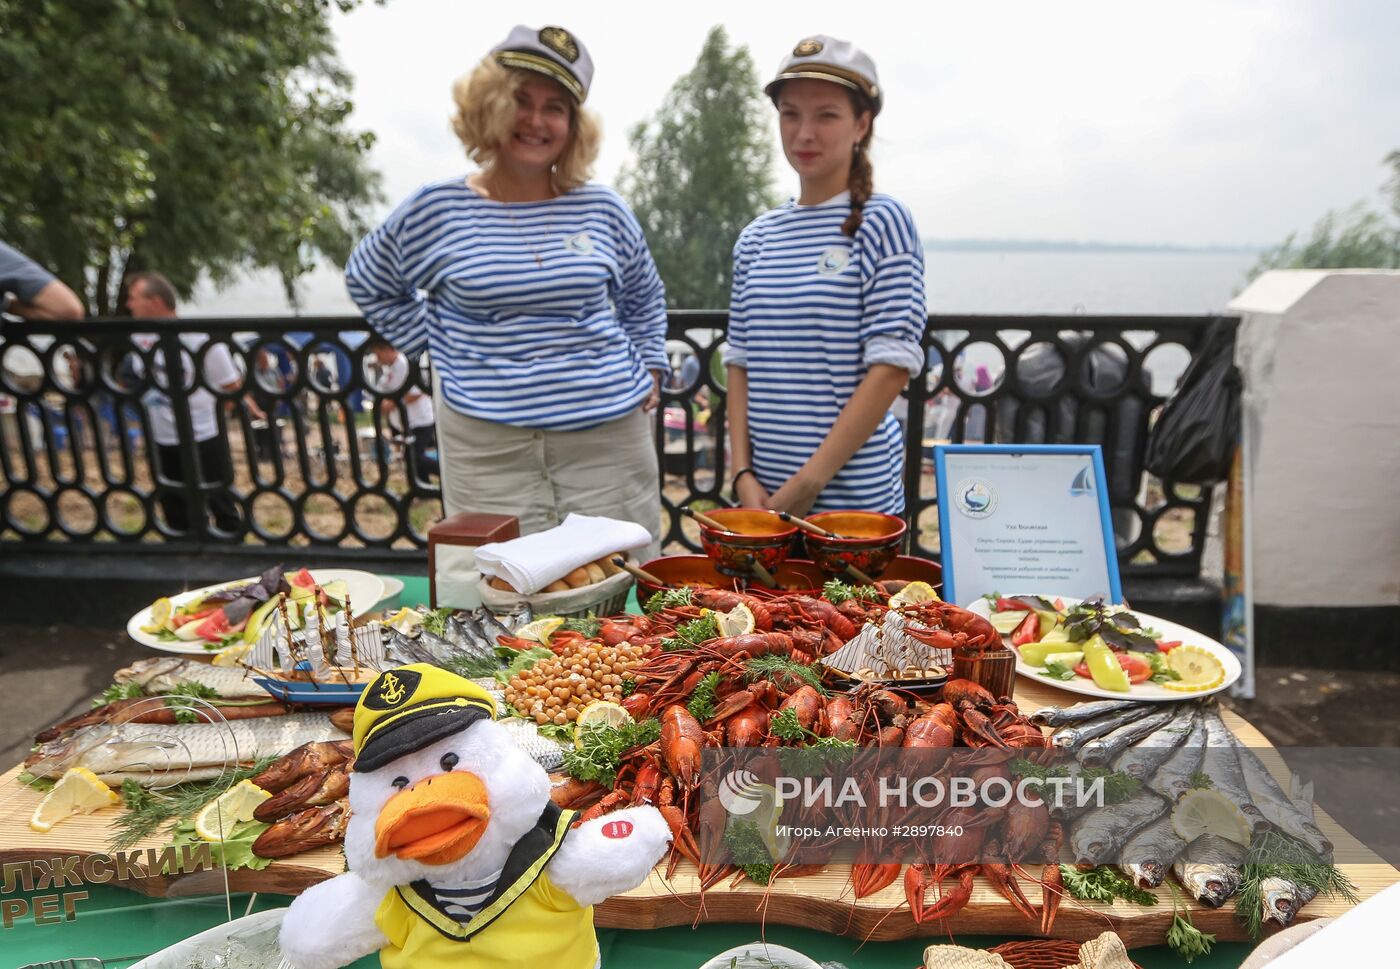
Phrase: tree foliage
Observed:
(1353, 238)
(703, 171)
(186, 136)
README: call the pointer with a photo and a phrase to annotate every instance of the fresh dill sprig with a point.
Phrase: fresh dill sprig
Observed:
(1273, 854)
(589, 625)
(471, 667)
(692, 634)
(147, 812)
(1200, 780)
(524, 659)
(783, 672)
(702, 699)
(668, 599)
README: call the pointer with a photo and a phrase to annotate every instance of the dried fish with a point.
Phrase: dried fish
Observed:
(1098, 752)
(1080, 712)
(1211, 868)
(1143, 759)
(1279, 900)
(1278, 807)
(1148, 854)
(1078, 735)
(1097, 836)
(163, 674)
(1222, 766)
(1175, 777)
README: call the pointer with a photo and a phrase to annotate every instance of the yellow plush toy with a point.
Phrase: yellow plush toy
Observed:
(457, 856)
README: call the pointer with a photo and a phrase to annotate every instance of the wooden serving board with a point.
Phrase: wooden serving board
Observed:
(821, 901)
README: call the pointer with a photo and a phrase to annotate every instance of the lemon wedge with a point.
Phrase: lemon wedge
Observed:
(1209, 812)
(736, 622)
(217, 819)
(912, 594)
(1197, 668)
(77, 792)
(233, 655)
(405, 620)
(603, 712)
(541, 629)
(767, 816)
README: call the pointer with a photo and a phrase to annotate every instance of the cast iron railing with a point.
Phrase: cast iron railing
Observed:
(330, 467)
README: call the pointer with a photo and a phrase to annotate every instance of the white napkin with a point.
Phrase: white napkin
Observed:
(1358, 937)
(534, 561)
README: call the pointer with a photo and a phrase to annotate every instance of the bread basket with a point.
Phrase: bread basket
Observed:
(605, 598)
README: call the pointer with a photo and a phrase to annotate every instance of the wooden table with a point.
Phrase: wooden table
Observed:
(820, 901)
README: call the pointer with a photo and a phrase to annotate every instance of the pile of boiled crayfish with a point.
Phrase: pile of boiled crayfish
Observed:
(668, 773)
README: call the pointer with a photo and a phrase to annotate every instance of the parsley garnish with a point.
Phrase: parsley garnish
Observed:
(692, 634)
(1103, 884)
(836, 592)
(668, 599)
(702, 700)
(601, 748)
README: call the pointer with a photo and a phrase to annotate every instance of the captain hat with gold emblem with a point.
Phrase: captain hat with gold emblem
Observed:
(551, 51)
(411, 707)
(824, 58)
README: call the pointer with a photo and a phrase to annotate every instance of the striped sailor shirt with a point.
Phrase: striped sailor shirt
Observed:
(537, 314)
(812, 310)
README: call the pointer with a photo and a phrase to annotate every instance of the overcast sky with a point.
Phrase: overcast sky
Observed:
(1190, 123)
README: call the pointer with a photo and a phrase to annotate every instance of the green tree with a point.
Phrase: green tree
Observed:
(1353, 238)
(186, 136)
(703, 171)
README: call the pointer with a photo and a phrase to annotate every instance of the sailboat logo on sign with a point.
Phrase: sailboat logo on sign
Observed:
(1083, 483)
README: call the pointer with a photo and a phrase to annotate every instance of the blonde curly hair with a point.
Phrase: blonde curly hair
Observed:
(485, 101)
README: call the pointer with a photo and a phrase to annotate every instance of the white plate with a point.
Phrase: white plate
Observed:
(1148, 691)
(364, 588)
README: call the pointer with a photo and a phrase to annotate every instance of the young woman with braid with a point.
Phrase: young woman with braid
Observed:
(827, 310)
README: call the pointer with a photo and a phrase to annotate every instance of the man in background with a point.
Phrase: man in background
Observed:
(30, 291)
(151, 296)
(422, 431)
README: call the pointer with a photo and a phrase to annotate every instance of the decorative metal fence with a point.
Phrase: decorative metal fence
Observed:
(246, 433)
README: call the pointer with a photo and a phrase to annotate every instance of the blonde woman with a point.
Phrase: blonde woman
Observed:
(827, 309)
(535, 293)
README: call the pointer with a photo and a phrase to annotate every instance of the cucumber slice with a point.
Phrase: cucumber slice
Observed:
(1070, 660)
(1057, 635)
(1007, 621)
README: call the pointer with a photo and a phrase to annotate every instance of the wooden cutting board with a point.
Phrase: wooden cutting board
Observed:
(821, 901)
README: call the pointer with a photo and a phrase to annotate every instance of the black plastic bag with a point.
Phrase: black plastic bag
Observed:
(1193, 441)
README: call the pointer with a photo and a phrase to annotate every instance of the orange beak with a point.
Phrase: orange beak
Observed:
(436, 821)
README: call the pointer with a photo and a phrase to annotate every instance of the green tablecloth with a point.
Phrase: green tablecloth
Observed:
(121, 927)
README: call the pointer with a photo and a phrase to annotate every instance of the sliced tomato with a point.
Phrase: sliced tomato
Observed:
(302, 578)
(1083, 670)
(1028, 631)
(1059, 605)
(214, 626)
(1167, 645)
(1138, 670)
(1011, 605)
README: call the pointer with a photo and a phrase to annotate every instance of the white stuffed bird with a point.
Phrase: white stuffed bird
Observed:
(456, 853)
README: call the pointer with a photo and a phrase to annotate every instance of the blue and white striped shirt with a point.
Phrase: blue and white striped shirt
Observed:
(812, 310)
(537, 314)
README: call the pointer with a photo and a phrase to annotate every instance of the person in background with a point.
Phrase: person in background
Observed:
(30, 291)
(827, 309)
(535, 293)
(392, 373)
(150, 296)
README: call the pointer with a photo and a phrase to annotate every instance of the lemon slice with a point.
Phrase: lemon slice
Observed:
(767, 816)
(217, 818)
(77, 792)
(736, 622)
(913, 593)
(1198, 668)
(603, 712)
(405, 620)
(232, 655)
(540, 630)
(161, 611)
(1209, 812)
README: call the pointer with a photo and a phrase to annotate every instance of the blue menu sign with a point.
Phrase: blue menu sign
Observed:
(1025, 519)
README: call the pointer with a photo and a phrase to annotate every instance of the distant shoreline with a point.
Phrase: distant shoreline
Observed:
(1050, 245)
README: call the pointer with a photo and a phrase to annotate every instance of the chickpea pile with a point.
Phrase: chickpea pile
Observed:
(555, 690)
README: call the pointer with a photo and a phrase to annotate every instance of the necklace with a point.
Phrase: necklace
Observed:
(482, 188)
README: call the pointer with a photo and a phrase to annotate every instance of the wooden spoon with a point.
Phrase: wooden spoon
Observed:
(642, 574)
(705, 520)
(806, 526)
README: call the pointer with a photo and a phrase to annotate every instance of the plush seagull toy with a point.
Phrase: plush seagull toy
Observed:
(457, 856)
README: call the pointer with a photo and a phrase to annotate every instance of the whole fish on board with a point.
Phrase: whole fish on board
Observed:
(1175, 777)
(163, 674)
(1076, 736)
(155, 709)
(1098, 752)
(1061, 716)
(1279, 900)
(549, 754)
(1222, 766)
(161, 755)
(1097, 836)
(1210, 868)
(1144, 758)
(472, 629)
(490, 625)
(1277, 806)
(1149, 854)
